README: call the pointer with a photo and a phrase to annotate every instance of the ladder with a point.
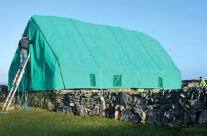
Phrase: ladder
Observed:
(15, 85)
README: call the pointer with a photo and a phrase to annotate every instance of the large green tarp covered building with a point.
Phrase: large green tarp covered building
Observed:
(68, 54)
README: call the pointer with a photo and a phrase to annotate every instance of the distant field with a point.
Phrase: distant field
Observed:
(38, 122)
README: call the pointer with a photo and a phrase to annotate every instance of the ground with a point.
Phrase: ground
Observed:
(38, 122)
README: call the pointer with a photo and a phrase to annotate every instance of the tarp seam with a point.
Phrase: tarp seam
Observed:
(146, 50)
(85, 44)
(120, 45)
(51, 50)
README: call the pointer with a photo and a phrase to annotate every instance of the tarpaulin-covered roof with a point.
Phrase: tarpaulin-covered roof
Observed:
(68, 53)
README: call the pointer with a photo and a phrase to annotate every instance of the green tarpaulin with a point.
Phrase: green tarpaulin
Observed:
(68, 54)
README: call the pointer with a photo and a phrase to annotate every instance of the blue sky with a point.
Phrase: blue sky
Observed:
(179, 25)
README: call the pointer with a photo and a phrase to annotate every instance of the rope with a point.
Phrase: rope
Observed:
(22, 88)
(24, 94)
(100, 80)
(18, 100)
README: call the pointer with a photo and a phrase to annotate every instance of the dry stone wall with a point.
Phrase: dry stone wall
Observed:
(3, 92)
(187, 106)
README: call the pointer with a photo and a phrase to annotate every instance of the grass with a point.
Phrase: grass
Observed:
(38, 122)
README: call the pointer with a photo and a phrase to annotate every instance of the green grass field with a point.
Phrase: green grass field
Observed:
(38, 122)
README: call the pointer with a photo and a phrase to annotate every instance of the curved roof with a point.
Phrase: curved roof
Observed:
(69, 53)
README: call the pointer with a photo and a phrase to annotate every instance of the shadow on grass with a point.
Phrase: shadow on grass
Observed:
(38, 122)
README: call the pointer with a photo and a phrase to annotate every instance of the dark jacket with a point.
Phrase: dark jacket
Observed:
(24, 43)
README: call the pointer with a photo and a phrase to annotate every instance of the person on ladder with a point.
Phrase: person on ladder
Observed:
(24, 46)
(24, 57)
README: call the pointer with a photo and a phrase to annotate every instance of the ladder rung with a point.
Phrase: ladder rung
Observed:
(15, 85)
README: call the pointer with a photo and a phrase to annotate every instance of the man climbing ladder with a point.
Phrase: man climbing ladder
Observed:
(24, 58)
(24, 46)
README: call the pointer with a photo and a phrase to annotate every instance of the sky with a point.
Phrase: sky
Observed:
(179, 25)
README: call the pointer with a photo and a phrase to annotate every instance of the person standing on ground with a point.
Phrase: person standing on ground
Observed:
(202, 82)
(24, 46)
